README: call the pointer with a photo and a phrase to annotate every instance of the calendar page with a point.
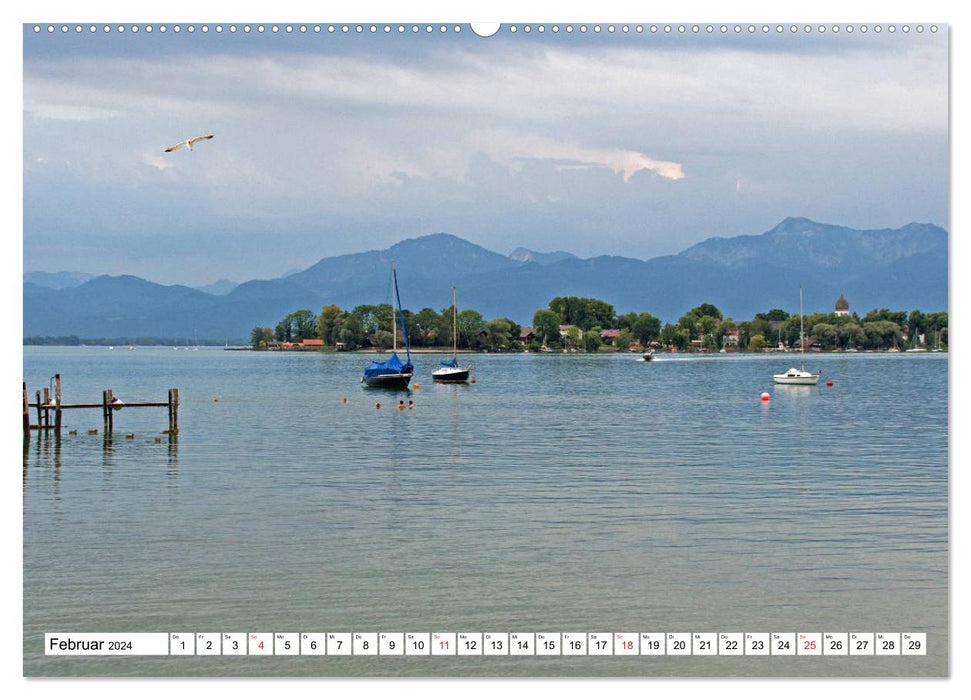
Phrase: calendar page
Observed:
(538, 349)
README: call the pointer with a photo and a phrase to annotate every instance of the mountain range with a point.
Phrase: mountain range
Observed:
(899, 269)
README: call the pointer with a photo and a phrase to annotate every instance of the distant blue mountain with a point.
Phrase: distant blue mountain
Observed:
(900, 269)
(525, 255)
(57, 280)
(219, 287)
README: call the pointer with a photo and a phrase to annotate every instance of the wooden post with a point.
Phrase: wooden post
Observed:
(173, 410)
(26, 412)
(39, 420)
(107, 398)
(47, 410)
(57, 403)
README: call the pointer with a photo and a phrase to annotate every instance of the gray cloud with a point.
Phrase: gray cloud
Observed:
(593, 147)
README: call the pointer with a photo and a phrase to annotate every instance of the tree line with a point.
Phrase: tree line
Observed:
(369, 325)
(578, 323)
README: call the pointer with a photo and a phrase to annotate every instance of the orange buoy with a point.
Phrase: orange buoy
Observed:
(415, 385)
(215, 400)
(377, 405)
(765, 396)
(829, 382)
(472, 380)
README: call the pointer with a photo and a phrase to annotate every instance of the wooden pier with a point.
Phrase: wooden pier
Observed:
(49, 408)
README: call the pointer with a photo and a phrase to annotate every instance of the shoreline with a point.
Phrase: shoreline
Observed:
(448, 351)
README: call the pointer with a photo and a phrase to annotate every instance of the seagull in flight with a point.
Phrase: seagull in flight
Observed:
(189, 143)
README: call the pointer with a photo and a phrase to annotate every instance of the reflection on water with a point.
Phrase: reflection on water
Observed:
(557, 493)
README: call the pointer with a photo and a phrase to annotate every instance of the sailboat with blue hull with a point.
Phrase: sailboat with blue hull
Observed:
(392, 373)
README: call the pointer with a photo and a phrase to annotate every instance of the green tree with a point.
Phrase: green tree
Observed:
(881, 334)
(707, 325)
(372, 318)
(304, 324)
(471, 324)
(706, 310)
(297, 325)
(546, 324)
(689, 323)
(574, 336)
(591, 341)
(756, 343)
(260, 337)
(427, 327)
(623, 341)
(411, 326)
(851, 335)
(646, 328)
(628, 320)
(514, 329)
(675, 336)
(583, 312)
(773, 315)
(826, 334)
(350, 332)
(328, 323)
(498, 333)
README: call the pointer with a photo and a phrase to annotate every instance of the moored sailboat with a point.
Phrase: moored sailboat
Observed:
(793, 375)
(449, 370)
(392, 373)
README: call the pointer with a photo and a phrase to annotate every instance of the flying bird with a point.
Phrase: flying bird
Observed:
(189, 143)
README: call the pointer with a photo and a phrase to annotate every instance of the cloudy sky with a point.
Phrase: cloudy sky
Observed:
(635, 144)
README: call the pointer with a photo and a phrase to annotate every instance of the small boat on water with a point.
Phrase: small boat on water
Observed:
(392, 373)
(793, 375)
(449, 370)
(648, 356)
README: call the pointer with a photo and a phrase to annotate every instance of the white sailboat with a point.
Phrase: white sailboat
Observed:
(793, 375)
(450, 371)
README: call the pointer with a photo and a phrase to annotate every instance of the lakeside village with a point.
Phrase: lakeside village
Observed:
(575, 324)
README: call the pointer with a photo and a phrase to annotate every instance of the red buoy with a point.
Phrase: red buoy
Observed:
(765, 396)
(829, 382)
(472, 380)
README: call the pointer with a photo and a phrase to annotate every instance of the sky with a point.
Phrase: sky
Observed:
(637, 144)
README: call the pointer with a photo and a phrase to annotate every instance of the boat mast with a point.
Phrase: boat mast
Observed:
(394, 320)
(802, 338)
(455, 327)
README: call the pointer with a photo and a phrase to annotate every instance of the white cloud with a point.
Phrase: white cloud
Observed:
(156, 160)
(68, 112)
(514, 147)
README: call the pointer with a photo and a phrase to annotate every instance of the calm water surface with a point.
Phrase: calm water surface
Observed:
(558, 493)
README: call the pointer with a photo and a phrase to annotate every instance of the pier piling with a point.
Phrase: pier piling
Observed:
(46, 404)
(173, 410)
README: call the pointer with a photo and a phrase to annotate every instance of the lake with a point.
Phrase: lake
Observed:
(559, 493)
